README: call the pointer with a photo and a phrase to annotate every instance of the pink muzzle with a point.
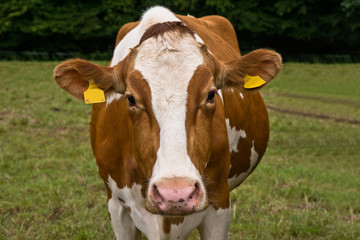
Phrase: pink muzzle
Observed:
(176, 196)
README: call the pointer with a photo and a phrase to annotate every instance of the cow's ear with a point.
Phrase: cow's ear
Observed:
(74, 76)
(252, 71)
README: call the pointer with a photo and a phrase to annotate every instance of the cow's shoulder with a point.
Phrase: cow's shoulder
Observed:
(125, 29)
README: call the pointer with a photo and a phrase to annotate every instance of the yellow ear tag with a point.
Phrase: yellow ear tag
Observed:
(94, 94)
(253, 81)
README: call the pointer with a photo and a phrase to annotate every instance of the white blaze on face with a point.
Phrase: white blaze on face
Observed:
(168, 63)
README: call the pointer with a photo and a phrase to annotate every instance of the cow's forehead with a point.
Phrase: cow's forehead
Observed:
(168, 63)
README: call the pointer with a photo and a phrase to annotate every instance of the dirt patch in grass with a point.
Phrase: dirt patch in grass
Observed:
(351, 218)
(347, 102)
(55, 215)
(4, 113)
(313, 115)
(13, 211)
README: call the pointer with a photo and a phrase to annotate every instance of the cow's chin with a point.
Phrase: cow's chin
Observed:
(173, 209)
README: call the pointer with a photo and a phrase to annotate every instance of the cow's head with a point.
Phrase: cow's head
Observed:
(170, 82)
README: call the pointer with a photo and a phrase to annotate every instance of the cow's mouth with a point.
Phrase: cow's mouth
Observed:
(174, 209)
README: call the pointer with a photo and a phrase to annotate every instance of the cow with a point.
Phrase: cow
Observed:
(182, 124)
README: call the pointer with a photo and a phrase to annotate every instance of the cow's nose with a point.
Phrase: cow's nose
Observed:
(176, 196)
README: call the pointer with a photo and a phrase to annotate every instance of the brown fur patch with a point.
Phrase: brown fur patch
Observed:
(161, 28)
(199, 118)
(144, 124)
(207, 141)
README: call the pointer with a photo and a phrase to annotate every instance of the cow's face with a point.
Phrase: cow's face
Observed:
(171, 97)
(170, 82)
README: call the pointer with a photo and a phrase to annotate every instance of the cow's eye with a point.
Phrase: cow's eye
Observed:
(211, 97)
(131, 100)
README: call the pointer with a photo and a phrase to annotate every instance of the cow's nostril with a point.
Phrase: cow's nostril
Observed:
(157, 194)
(181, 200)
(155, 189)
(195, 192)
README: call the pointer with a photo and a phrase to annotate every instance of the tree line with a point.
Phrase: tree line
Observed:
(88, 26)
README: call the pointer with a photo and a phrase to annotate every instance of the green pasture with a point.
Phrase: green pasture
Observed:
(306, 187)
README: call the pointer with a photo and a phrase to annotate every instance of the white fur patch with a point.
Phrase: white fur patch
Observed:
(216, 224)
(197, 37)
(186, 227)
(157, 14)
(121, 222)
(143, 220)
(220, 95)
(241, 95)
(235, 180)
(112, 96)
(234, 136)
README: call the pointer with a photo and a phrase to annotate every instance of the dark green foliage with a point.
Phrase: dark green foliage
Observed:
(291, 27)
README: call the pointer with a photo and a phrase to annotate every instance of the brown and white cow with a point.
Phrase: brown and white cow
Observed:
(179, 130)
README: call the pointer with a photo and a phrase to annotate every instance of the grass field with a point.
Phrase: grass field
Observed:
(306, 187)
